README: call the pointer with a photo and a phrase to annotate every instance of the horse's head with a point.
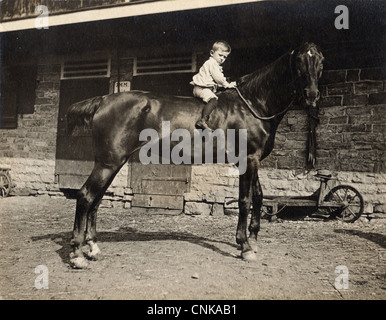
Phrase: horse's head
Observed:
(309, 66)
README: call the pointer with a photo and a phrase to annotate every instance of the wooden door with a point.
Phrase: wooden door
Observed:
(74, 153)
(160, 185)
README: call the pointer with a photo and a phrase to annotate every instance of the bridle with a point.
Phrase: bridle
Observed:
(293, 79)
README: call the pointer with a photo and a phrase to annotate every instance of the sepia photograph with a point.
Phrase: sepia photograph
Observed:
(192, 155)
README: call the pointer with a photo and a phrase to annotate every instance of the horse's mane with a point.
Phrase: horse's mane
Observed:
(251, 82)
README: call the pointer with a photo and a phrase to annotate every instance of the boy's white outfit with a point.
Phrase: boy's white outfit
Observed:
(208, 79)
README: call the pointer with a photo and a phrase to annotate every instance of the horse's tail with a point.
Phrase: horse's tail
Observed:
(82, 113)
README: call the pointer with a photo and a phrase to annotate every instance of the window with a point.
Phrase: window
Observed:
(90, 68)
(162, 65)
(18, 85)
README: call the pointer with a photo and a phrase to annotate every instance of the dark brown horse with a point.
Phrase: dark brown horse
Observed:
(258, 106)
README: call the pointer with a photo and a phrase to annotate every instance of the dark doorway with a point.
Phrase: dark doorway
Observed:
(74, 153)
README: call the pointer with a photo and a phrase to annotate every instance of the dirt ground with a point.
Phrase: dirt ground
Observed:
(158, 255)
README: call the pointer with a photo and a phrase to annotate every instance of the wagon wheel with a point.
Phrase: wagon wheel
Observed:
(5, 185)
(349, 203)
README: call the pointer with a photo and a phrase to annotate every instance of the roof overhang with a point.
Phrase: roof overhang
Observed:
(129, 9)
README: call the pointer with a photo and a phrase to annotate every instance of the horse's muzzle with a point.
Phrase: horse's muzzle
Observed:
(311, 96)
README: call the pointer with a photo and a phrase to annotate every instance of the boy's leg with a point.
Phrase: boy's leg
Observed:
(208, 96)
(206, 111)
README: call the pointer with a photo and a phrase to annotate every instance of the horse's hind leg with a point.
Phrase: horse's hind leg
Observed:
(88, 201)
(77, 258)
(91, 239)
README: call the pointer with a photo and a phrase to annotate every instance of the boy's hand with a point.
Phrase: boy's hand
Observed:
(232, 85)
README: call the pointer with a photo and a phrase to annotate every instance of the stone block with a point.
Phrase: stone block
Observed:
(218, 210)
(193, 196)
(377, 98)
(330, 101)
(297, 136)
(117, 204)
(339, 120)
(368, 87)
(360, 119)
(379, 114)
(209, 197)
(379, 128)
(119, 191)
(357, 110)
(45, 85)
(128, 197)
(128, 190)
(341, 88)
(380, 208)
(368, 208)
(373, 74)
(197, 208)
(355, 100)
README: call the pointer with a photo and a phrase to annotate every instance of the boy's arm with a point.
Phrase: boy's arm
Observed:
(219, 77)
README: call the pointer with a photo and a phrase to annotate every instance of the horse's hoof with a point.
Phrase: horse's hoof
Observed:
(249, 255)
(93, 253)
(253, 245)
(78, 263)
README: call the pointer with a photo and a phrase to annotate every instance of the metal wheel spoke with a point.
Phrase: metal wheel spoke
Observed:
(345, 194)
(352, 213)
(338, 195)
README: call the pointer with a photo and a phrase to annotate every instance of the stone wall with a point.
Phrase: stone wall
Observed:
(30, 149)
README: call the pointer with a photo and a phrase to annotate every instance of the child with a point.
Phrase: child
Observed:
(209, 78)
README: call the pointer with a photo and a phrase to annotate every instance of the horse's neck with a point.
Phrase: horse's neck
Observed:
(270, 89)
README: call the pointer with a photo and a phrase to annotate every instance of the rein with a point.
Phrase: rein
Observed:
(258, 116)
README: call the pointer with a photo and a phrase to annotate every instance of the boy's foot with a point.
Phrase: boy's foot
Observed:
(201, 124)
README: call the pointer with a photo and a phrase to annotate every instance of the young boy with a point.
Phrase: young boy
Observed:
(209, 78)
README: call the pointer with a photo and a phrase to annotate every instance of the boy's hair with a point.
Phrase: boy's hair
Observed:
(221, 44)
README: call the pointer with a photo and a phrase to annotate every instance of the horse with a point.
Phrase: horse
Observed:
(258, 104)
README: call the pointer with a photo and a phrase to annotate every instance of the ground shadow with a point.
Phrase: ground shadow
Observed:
(299, 213)
(133, 235)
(377, 238)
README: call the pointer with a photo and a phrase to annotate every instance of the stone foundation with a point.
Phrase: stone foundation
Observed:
(211, 185)
(212, 188)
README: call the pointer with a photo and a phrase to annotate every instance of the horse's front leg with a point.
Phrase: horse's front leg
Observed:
(247, 252)
(257, 202)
